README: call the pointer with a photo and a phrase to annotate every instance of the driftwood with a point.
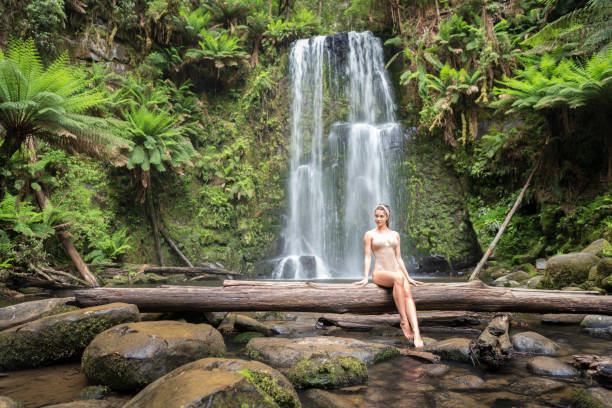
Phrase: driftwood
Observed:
(493, 346)
(344, 298)
(597, 366)
(367, 322)
(173, 246)
(167, 270)
(421, 355)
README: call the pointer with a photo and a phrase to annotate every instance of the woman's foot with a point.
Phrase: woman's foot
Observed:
(406, 329)
(418, 341)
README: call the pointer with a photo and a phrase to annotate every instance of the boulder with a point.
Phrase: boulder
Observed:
(93, 392)
(565, 270)
(244, 323)
(131, 356)
(317, 398)
(512, 278)
(244, 338)
(532, 283)
(20, 313)
(551, 367)
(562, 318)
(455, 349)
(59, 337)
(285, 353)
(535, 386)
(602, 270)
(596, 321)
(328, 372)
(214, 318)
(462, 382)
(599, 332)
(434, 370)
(218, 383)
(532, 342)
(6, 402)
(597, 247)
(595, 397)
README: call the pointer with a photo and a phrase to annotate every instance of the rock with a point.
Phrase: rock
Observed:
(565, 270)
(245, 323)
(535, 386)
(453, 400)
(512, 279)
(532, 342)
(94, 47)
(551, 367)
(592, 398)
(599, 332)
(540, 263)
(562, 318)
(455, 349)
(282, 352)
(87, 404)
(243, 338)
(600, 272)
(274, 316)
(6, 402)
(214, 318)
(572, 289)
(20, 313)
(316, 398)
(607, 283)
(596, 321)
(462, 382)
(227, 324)
(434, 370)
(59, 337)
(93, 392)
(328, 372)
(532, 283)
(218, 383)
(597, 247)
(131, 356)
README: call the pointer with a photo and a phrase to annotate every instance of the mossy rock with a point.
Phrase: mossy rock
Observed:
(133, 355)
(20, 313)
(568, 270)
(599, 247)
(328, 372)
(243, 338)
(59, 337)
(219, 383)
(454, 349)
(580, 399)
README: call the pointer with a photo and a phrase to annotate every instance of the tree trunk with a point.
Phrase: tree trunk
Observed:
(345, 298)
(154, 225)
(174, 247)
(476, 272)
(64, 235)
(367, 322)
(493, 347)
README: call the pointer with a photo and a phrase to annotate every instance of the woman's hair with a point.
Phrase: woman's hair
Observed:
(386, 209)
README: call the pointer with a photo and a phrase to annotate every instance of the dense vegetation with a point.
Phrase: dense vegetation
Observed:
(142, 116)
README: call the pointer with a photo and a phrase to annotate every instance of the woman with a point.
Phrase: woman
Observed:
(390, 271)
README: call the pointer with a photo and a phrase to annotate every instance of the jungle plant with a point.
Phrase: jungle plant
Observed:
(230, 13)
(50, 104)
(109, 248)
(223, 50)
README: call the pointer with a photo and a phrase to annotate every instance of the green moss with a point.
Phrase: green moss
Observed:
(328, 372)
(386, 354)
(252, 354)
(580, 399)
(268, 384)
(114, 371)
(243, 338)
(59, 309)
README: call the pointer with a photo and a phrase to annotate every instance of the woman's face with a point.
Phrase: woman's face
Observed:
(380, 217)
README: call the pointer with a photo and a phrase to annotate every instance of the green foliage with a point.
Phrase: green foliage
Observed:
(224, 50)
(110, 247)
(51, 104)
(302, 24)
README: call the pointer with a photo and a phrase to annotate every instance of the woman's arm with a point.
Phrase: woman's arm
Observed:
(400, 261)
(367, 259)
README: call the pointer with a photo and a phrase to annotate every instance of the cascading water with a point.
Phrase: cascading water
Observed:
(339, 89)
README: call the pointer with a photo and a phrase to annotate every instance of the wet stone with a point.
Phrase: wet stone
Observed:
(551, 367)
(244, 323)
(455, 349)
(6, 402)
(243, 338)
(535, 386)
(453, 400)
(562, 318)
(435, 369)
(20, 313)
(601, 395)
(87, 404)
(133, 355)
(596, 321)
(328, 372)
(532, 342)
(599, 332)
(462, 382)
(316, 398)
(93, 392)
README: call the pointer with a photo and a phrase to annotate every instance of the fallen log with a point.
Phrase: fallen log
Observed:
(343, 298)
(493, 346)
(426, 318)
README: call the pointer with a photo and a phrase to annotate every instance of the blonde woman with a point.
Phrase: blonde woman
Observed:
(390, 271)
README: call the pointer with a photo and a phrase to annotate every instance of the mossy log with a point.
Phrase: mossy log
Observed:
(345, 298)
(493, 346)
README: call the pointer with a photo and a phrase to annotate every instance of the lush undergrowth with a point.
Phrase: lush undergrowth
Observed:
(173, 115)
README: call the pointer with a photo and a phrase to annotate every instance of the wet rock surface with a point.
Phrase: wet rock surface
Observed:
(93, 392)
(59, 337)
(316, 398)
(462, 382)
(562, 318)
(454, 400)
(550, 367)
(89, 404)
(535, 385)
(597, 326)
(244, 323)
(565, 270)
(20, 313)
(218, 383)
(600, 395)
(455, 349)
(435, 369)
(130, 356)
(283, 352)
(6, 402)
(532, 342)
(328, 372)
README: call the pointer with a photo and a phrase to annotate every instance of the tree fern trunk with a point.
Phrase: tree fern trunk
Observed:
(155, 225)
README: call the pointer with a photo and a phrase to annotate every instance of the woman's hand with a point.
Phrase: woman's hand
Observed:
(414, 282)
(361, 283)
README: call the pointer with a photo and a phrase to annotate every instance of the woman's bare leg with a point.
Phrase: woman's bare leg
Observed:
(412, 315)
(390, 279)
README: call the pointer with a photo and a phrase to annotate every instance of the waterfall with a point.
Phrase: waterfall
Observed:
(344, 150)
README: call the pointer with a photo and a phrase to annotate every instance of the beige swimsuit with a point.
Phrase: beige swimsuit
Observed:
(384, 252)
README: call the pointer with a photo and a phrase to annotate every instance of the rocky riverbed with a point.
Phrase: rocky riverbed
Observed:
(113, 356)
